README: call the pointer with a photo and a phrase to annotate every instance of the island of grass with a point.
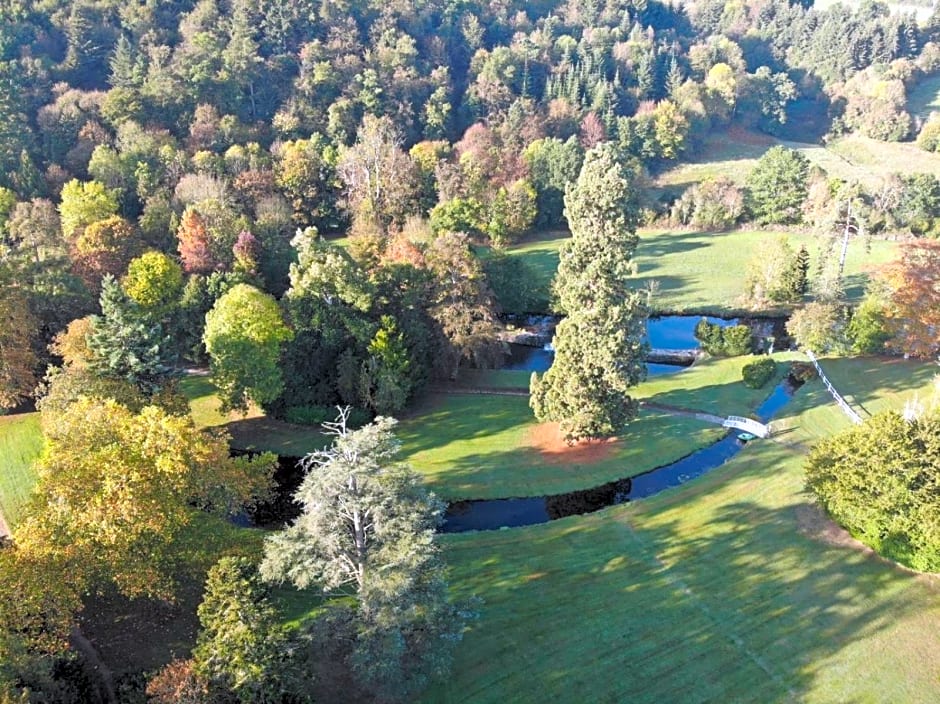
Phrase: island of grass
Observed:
(481, 446)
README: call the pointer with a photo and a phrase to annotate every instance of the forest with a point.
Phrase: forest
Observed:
(316, 203)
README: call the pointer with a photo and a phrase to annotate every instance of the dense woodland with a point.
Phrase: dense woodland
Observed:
(314, 199)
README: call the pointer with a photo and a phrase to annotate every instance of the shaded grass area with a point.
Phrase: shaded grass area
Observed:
(482, 446)
(253, 431)
(731, 588)
(703, 272)
(21, 443)
(924, 98)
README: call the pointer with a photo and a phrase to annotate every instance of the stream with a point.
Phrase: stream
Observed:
(492, 514)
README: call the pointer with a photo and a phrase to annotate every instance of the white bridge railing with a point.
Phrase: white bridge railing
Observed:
(752, 426)
(846, 408)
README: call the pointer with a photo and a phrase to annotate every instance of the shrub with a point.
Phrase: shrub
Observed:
(879, 481)
(757, 373)
(724, 341)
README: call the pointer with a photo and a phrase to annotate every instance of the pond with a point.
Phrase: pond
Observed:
(674, 332)
(493, 514)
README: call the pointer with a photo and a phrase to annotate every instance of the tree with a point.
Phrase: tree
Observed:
(241, 649)
(821, 327)
(913, 292)
(368, 529)
(773, 274)
(126, 343)
(116, 489)
(243, 336)
(881, 480)
(462, 306)
(154, 282)
(600, 347)
(384, 381)
(868, 329)
(18, 361)
(83, 204)
(194, 243)
(776, 186)
(105, 247)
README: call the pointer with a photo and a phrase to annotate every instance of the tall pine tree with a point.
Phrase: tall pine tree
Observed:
(600, 347)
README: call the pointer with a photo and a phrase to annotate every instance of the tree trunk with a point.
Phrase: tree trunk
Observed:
(94, 666)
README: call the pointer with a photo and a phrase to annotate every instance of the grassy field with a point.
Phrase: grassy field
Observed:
(924, 98)
(20, 444)
(703, 272)
(853, 157)
(253, 431)
(732, 588)
(484, 446)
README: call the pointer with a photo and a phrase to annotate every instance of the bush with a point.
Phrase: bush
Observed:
(879, 481)
(756, 374)
(721, 341)
(318, 415)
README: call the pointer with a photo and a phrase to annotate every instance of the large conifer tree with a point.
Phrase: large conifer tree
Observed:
(600, 347)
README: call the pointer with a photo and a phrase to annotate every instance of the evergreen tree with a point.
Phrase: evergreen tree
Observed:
(125, 343)
(600, 348)
(241, 649)
(368, 528)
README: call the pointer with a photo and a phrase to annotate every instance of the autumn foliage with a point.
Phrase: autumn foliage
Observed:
(913, 283)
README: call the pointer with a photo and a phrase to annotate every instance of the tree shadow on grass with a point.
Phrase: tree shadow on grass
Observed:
(698, 598)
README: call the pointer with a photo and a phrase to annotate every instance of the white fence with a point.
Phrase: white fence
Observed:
(846, 408)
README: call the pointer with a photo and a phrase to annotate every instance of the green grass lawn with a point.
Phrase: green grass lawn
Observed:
(703, 272)
(483, 446)
(924, 98)
(253, 431)
(731, 588)
(20, 444)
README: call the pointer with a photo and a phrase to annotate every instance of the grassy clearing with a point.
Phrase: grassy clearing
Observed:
(253, 431)
(730, 588)
(853, 157)
(20, 444)
(480, 446)
(925, 97)
(703, 272)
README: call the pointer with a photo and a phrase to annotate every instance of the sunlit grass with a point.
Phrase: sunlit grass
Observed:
(730, 588)
(704, 272)
(21, 443)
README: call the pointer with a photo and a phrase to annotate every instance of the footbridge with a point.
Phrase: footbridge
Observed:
(754, 427)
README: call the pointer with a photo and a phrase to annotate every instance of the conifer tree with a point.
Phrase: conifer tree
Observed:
(600, 347)
(127, 343)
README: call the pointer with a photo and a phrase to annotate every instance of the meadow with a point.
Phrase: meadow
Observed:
(853, 157)
(703, 272)
(731, 588)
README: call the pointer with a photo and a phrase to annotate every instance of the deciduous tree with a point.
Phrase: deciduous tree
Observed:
(913, 290)
(777, 186)
(116, 489)
(243, 336)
